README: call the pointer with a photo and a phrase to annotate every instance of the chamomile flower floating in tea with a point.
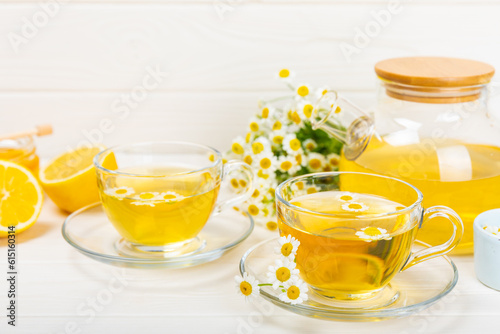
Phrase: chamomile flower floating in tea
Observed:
(120, 192)
(247, 286)
(355, 206)
(369, 234)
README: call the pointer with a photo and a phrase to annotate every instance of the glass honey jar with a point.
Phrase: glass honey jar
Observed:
(22, 151)
(432, 129)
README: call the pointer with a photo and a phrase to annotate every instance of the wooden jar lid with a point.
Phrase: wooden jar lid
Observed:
(434, 79)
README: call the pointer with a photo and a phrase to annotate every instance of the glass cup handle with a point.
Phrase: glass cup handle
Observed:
(229, 167)
(432, 252)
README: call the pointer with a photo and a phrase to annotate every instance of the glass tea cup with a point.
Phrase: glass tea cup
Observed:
(355, 236)
(161, 194)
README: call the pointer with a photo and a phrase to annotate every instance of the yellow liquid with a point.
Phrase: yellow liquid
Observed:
(419, 166)
(160, 211)
(345, 257)
(22, 156)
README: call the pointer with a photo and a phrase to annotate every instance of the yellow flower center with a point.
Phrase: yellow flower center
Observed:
(324, 91)
(169, 196)
(334, 161)
(303, 91)
(286, 165)
(211, 157)
(234, 183)
(346, 198)
(224, 161)
(286, 249)
(337, 110)
(327, 168)
(254, 126)
(278, 140)
(300, 185)
(246, 288)
(261, 174)
(253, 210)
(121, 191)
(277, 126)
(298, 158)
(308, 109)
(265, 163)
(256, 193)
(237, 148)
(271, 225)
(284, 73)
(257, 147)
(355, 206)
(248, 159)
(293, 292)
(243, 183)
(314, 163)
(311, 190)
(310, 146)
(248, 137)
(295, 117)
(295, 144)
(372, 231)
(265, 113)
(146, 196)
(283, 274)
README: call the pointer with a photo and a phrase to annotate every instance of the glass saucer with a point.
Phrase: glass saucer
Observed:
(410, 291)
(90, 232)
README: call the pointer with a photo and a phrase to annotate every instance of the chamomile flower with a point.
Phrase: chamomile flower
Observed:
(492, 230)
(347, 197)
(303, 90)
(248, 158)
(277, 137)
(373, 233)
(266, 162)
(260, 145)
(287, 247)
(277, 125)
(247, 286)
(272, 225)
(310, 144)
(315, 161)
(322, 91)
(254, 207)
(120, 192)
(267, 112)
(296, 291)
(281, 272)
(333, 160)
(354, 206)
(285, 74)
(305, 109)
(255, 124)
(170, 197)
(291, 144)
(294, 116)
(298, 187)
(147, 196)
(238, 146)
(288, 164)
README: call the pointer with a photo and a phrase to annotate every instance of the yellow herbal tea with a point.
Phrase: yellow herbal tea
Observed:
(162, 209)
(470, 191)
(347, 255)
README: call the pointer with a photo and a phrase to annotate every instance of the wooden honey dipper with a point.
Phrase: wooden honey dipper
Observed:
(39, 130)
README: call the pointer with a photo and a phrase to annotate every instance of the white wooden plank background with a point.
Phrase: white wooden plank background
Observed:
(92, 52)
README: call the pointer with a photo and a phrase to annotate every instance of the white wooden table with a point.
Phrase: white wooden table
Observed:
(62, 291)
(73, 71)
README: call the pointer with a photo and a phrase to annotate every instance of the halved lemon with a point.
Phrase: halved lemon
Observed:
(70, 179)
(21, 198)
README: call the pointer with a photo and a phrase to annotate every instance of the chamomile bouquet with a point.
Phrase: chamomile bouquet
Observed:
(281, 143)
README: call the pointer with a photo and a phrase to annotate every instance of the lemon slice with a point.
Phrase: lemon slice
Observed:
(70, 179)
(21, 198)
